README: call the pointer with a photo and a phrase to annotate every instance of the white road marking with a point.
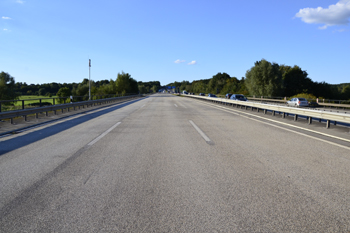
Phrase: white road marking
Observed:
(200, 131)
(280, 127)
(103, 134)
(175, 105)
(143, 106)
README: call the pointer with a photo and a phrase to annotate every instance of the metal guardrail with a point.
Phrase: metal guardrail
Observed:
(9, 105)
(25, 112)
(310, 114)
(284, 101)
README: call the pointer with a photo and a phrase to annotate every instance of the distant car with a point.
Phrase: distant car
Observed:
(228, 95)
(314, 104)
(239, 97)
(298, 102)
(185, 92)
(201, 94)
(212, 95)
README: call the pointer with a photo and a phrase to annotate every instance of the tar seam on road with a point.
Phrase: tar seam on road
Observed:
(205, 137)
(280, 127)
(103, 134)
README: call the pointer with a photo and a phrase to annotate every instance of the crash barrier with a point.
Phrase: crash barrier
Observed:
(283, 110)
(320, 103)
(25, 112)
(17, 104)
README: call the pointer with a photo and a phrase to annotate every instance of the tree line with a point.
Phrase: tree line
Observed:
(269, 80)
(221, 83)
(263, 79)
(123, 84)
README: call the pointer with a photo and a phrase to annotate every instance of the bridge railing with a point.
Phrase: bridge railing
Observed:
(53, 108)
(17, 104)
(310, 114)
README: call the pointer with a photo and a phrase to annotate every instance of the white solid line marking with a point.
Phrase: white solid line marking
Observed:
(143, 106)
(280, 127)
(200, 131)
(103, 134)
(175, 105)
(282, 123)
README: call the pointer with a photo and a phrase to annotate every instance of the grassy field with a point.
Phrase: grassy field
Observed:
(29, 99)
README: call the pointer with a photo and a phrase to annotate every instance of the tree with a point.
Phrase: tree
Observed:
(217, 82)
(126, 84)
(264, 79)
(7, 87)
(142, 89)
(63, 92)
(346, 93)
(295, 80)
(42, 91)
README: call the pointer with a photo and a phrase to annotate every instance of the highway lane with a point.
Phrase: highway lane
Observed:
(172, 164)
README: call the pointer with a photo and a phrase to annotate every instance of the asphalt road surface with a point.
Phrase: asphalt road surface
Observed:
(173, 164)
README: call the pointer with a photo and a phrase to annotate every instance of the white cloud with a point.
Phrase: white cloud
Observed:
(20, 1)
(337, 14)
(5, 29)
(340, 30)
(192, 63)
(4, 17)
(179, 61)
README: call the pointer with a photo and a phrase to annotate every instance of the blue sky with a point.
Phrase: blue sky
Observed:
(167, 41)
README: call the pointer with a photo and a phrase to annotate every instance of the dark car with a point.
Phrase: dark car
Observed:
(239, 97)
(313, 104)
(228, 95)
(212, 95)
(201, 94)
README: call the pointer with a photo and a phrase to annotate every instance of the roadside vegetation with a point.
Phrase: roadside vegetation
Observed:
(263, 79)
(269, 80)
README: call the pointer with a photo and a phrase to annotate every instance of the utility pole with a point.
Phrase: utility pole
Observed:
(89, 80)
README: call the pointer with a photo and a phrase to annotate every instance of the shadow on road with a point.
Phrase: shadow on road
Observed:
(24, 140)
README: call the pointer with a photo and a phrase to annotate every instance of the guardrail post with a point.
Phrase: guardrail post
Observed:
(36, 115)
(273, 113)
(328, 124)
(53, 101)
(11, 121)
(295, 117)
(46, 113)
(257, 109)
(264, 111)
(54, 112)
(283, 115)
(25, 117)
(310, 120)
(335, 123)
(22, 104)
